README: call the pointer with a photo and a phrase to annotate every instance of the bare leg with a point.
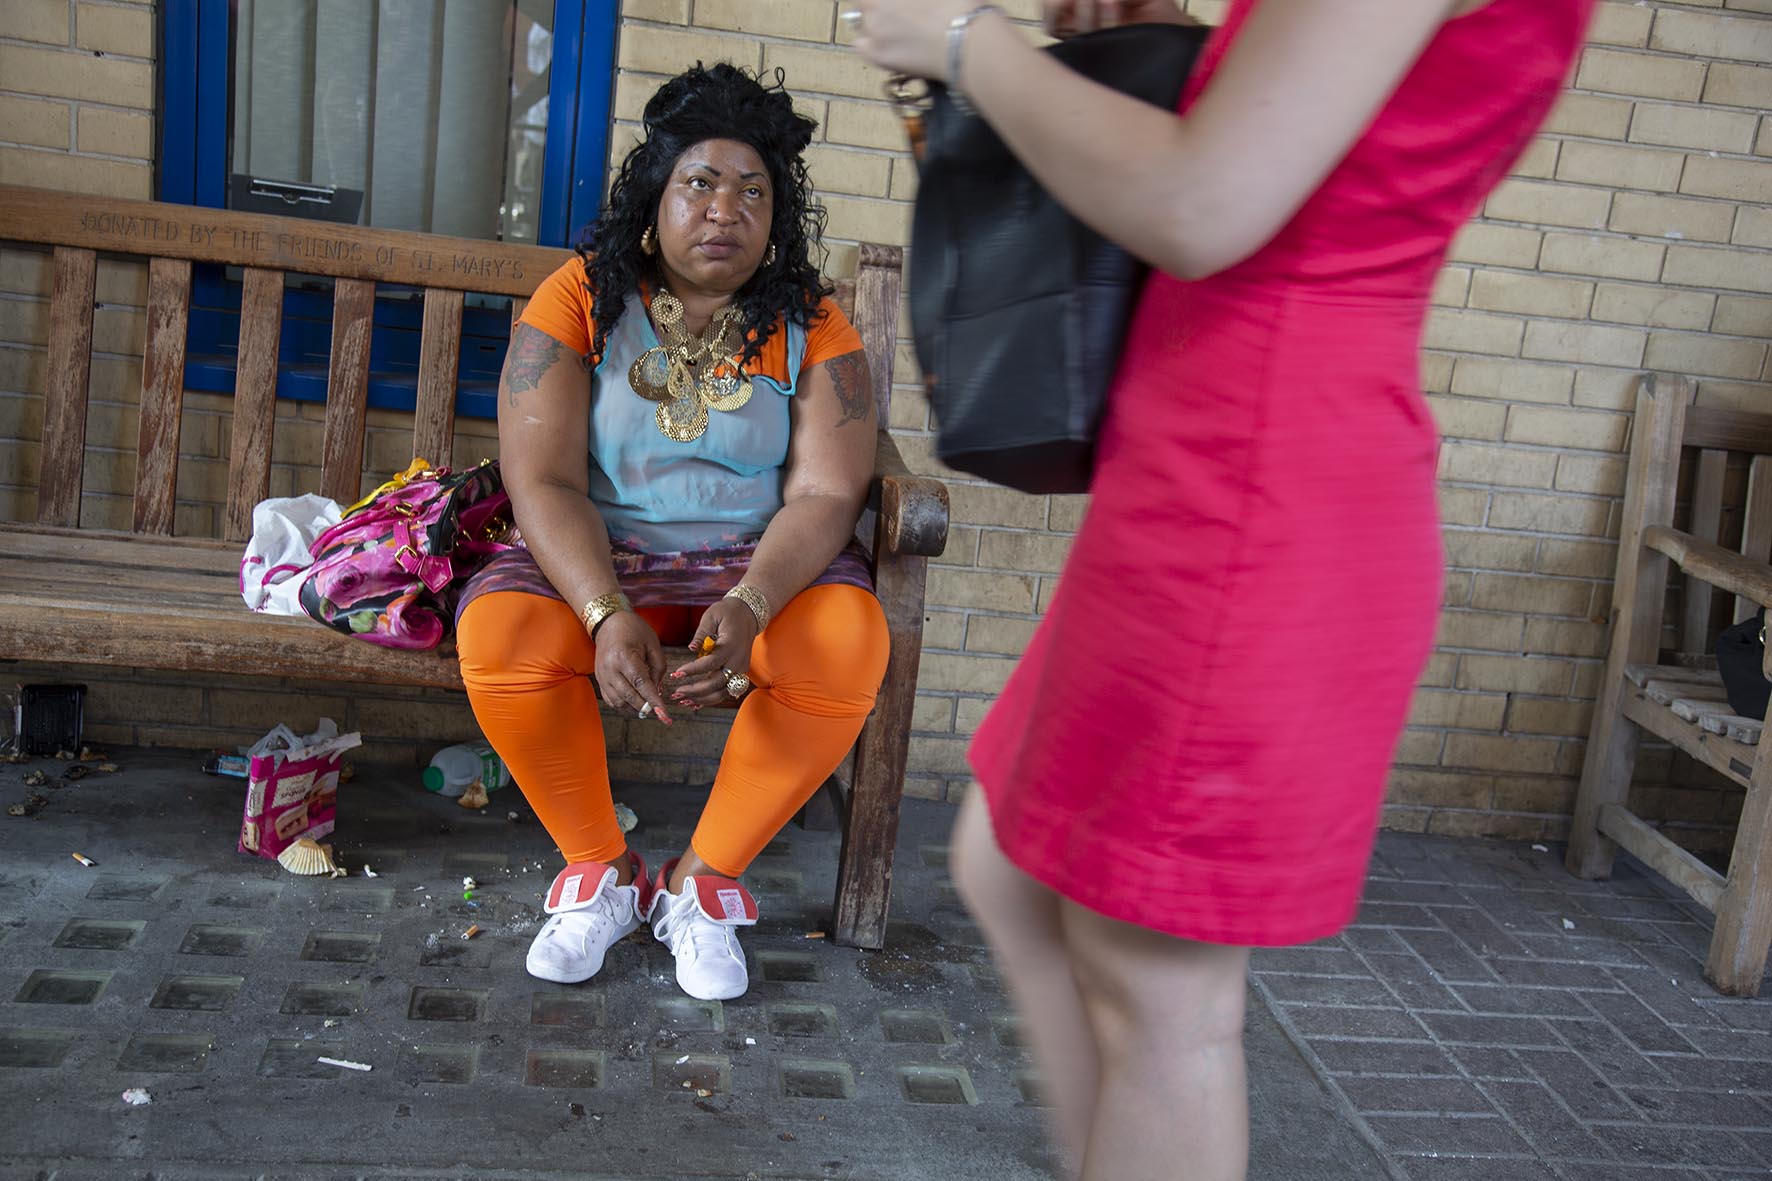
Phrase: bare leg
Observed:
(1168, 1017)
(689, 865)
(1020, 920)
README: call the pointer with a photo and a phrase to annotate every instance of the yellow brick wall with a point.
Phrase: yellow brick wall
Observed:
(1636, 232)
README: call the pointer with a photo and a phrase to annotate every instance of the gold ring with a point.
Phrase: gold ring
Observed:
(737, 684)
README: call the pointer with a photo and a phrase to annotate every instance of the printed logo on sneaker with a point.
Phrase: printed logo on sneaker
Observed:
(576, 886)
(725, 901)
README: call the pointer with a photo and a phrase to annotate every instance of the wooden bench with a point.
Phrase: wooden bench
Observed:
(147, 599)
(1674, 693)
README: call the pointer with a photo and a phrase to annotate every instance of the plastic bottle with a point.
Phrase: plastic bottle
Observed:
(454, 768)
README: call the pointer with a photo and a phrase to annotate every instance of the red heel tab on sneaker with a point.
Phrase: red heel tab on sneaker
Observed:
(578, 885)
(641, 881)
(725, 901)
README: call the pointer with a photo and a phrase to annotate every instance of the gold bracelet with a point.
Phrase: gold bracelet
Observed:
(755, 599)
(601, 608)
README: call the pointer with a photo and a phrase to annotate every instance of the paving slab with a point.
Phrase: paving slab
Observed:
(217, 982)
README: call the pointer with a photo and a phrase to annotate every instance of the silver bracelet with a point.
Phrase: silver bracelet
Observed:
(957, 47)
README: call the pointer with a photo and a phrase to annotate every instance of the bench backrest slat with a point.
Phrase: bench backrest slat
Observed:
(347, 391)
(70, 375)
(1707, 524)
(439, 351)
(274, 243)
(162, 397)
(255, 398)
(1756, 524)
(876, 318)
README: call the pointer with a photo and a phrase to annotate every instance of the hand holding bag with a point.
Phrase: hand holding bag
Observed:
(1019, 310)
(389, 571)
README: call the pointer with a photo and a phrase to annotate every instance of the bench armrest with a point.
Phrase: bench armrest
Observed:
(913, 509)
(1720, 567)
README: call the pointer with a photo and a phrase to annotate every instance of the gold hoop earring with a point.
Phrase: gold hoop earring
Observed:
(649, 241)
(769, 256)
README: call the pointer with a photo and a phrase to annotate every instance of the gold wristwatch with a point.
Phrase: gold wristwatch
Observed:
(601, 608)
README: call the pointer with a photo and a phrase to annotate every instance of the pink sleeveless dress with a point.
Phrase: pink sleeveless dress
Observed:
(1198, 737)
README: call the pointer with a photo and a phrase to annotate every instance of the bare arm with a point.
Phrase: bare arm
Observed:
(544, 444)
(825, 487)
(1189, 195)
(830, 464)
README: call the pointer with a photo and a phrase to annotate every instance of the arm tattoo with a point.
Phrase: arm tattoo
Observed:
(532, 353)
(854, 385)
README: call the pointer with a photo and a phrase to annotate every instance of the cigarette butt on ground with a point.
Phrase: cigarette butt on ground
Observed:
(83, 859)
(815, 934)
(471, 931)
(346, 1064)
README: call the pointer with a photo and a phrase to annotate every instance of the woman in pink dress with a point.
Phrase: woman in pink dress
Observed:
(1190, 759)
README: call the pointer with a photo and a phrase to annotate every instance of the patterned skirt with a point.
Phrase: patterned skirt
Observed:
(691, 579)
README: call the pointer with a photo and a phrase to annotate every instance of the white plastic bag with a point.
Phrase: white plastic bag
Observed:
(277, 558)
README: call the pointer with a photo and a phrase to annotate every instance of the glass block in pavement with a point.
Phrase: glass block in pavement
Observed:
(577, 1069)
(573, 1012)
(300, 1058)
(125, 888)
(220, 940)
(441, 1063)
(945, 1085)
(1031, 1088)
(205, 993)
(815, 1078)
(341, 947)
(49, 986)
(100, 934)
(688, 1015)
(322, 1000)
(34, 1049)
(915, 1027)
(447, 1004)
(166, 1052)
(787, 967)
(802, 1020)
(691, 1072)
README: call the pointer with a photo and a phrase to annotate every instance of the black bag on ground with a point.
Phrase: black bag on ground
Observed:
(1741, 649)
(1018, 310)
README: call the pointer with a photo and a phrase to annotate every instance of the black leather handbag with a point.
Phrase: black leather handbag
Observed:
(1741, 648)
(1018, 310)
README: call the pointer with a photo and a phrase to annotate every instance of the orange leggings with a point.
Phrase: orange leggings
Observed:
(528, 665)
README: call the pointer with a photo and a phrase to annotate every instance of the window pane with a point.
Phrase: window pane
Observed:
(424, 114)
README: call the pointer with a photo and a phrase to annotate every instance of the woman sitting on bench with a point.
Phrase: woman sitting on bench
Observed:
(686, 429)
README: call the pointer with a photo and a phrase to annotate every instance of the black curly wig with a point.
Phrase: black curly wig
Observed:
(702, 103)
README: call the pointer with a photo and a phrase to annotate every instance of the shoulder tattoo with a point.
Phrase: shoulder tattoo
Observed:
(532, 353)
(854, 385)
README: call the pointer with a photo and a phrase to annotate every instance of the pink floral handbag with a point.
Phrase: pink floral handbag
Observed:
(391, 570)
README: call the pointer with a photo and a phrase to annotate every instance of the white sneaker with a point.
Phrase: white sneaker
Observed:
(698, 925)
(572, 944)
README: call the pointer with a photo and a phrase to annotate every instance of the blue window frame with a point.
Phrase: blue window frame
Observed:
(197, 38)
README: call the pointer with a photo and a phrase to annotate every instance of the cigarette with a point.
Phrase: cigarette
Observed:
(83, 859)
(348, 1065)
(646, 710)
(471, 931)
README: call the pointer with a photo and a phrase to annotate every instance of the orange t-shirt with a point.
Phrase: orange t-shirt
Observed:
(658, 495)
(561, 307)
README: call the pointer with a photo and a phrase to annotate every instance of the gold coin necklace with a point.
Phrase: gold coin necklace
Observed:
(688, 376)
